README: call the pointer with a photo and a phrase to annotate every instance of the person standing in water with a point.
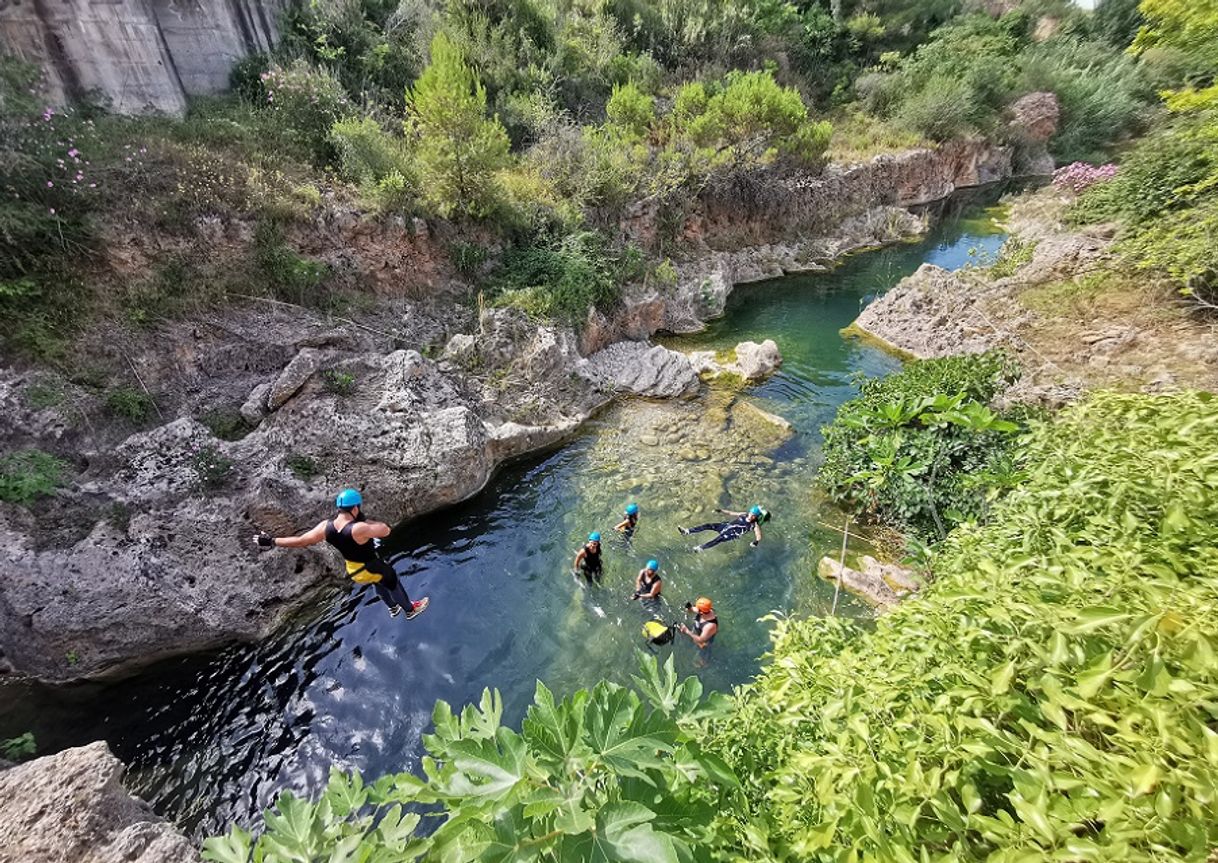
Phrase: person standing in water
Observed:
(588, 558)
(706, 623)
(741, 523)
(358, 541)
(647, 585)
(630, 521)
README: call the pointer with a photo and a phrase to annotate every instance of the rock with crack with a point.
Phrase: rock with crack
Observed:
(71, 807)
(880, 585)
(293, 377)
(641, 369)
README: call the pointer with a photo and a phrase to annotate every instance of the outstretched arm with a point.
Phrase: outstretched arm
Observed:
(312, 537)
(757, 533)
(729, 512)
(622, 525)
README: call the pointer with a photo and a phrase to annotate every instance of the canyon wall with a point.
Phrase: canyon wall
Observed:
(140, 55)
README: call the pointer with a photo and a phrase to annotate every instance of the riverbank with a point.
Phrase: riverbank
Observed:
(1060, 302)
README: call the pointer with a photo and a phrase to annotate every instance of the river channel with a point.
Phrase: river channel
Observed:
(211, 739)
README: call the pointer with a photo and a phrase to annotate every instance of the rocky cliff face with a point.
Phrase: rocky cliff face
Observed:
(71, 807)
(140, 54)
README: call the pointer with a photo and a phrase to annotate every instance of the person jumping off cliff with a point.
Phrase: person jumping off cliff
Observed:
(358, 541)
(741, 523)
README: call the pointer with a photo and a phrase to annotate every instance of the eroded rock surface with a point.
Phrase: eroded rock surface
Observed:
(642, 369)
(71, 807)
(753, 361)
(880, 585)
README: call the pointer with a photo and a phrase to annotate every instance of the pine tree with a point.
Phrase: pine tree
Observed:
(457, 147)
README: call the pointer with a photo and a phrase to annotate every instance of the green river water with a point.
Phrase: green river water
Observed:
(212, 738)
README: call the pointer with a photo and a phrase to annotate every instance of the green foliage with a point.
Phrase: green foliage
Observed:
(338, 382)
(1103, 94)
(226, 423)
(630, 110)
(1013, 255)
(129, 403)
(27, 475)
(562, 279)
(920, 449)
(1117, 22)
(1049, 696)
(212, 469)
(301, 466)
(19, 748)
(607, 773)
(307, 101)
(286, 274)
(366, 152)
(458, 149)
(1184, 26)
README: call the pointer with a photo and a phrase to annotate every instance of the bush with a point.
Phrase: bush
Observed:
(366, 152)
(605, 774)
(307, 101)
(1013, 255)
(920, 449)
(561, 280)
(301, 466)
(288, 275)
(19, 748)
(338, 382)
(212, 469)
(1049, 695)
(942, 109)
(29, 474)
(630, 110)
(129, 403)
(226, 423)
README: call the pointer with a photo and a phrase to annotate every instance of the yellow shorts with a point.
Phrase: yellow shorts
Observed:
(359, 573)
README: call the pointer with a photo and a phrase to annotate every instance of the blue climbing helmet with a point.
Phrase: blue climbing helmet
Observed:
(348, 498)
(632, 509)
(653, 565)
(594, 537)
(755, 511)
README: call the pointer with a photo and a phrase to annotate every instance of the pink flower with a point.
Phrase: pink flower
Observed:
(50, 185)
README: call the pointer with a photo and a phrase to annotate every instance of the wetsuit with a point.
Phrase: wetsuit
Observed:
(632, 521)
(366, 558)
(590, 565)
(727, 530)
(646, 585)
(700, 624)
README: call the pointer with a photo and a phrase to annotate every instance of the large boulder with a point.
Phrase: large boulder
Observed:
(71, 807)
(641, 369)
(1032, 121)
(753, 361)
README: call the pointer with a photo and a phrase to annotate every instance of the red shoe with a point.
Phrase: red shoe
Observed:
(418, 607)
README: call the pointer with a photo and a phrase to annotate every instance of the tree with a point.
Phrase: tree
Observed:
(1183, 25)
(457, 147)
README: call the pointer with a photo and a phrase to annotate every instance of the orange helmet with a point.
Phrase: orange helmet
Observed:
(703, 605)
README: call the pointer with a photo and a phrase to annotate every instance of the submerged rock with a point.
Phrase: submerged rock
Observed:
(881, 585)
(71, 807)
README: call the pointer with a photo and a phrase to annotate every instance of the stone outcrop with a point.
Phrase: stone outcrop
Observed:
(141, 55)
(71, 807)
(880, 585)
(1032, 121)
(641, 369)
(753, 361)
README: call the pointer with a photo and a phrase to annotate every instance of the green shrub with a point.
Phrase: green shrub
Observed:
(301, 466)
(19, 748)
(338, 382)
(562, 280)
(1013, 255)
(920, 449)
(630, 110)
(226, 423)
(942, 109)
(245, 78)
(129, 403)
(368, 153)
(607, 773)
(307, 101)
(212, 469)
(287, 275)
(468, 258)
(1049, 695)
(27, 475)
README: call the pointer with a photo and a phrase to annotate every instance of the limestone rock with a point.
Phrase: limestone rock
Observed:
(255, 407)
(293, 377)
(642, 369)
(1035, 116)
(757, 361)
(71, 807)
(881, 585)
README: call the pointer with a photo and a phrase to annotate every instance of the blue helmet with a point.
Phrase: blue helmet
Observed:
(632, 509)
(348, 498)
(755, 511)
(594, 537)
(653, 565)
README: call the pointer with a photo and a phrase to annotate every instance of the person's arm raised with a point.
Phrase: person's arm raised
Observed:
(366, 530)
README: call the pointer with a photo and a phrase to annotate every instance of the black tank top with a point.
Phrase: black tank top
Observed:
(592, 560)
(346, 544)
(699, 623)
(647, 584)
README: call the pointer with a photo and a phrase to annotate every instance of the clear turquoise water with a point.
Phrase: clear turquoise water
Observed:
(213, 738)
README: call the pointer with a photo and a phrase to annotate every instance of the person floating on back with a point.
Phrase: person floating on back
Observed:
(630, 520)
(647, 585)
(588, 558)
(358, 541)
(705, 625)
(741, 523)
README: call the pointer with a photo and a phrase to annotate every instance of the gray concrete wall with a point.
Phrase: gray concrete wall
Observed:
(143, 55)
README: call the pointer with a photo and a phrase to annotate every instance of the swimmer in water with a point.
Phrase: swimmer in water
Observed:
(630, 520)
(741, 523)
(647, 585)
(588, 559)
